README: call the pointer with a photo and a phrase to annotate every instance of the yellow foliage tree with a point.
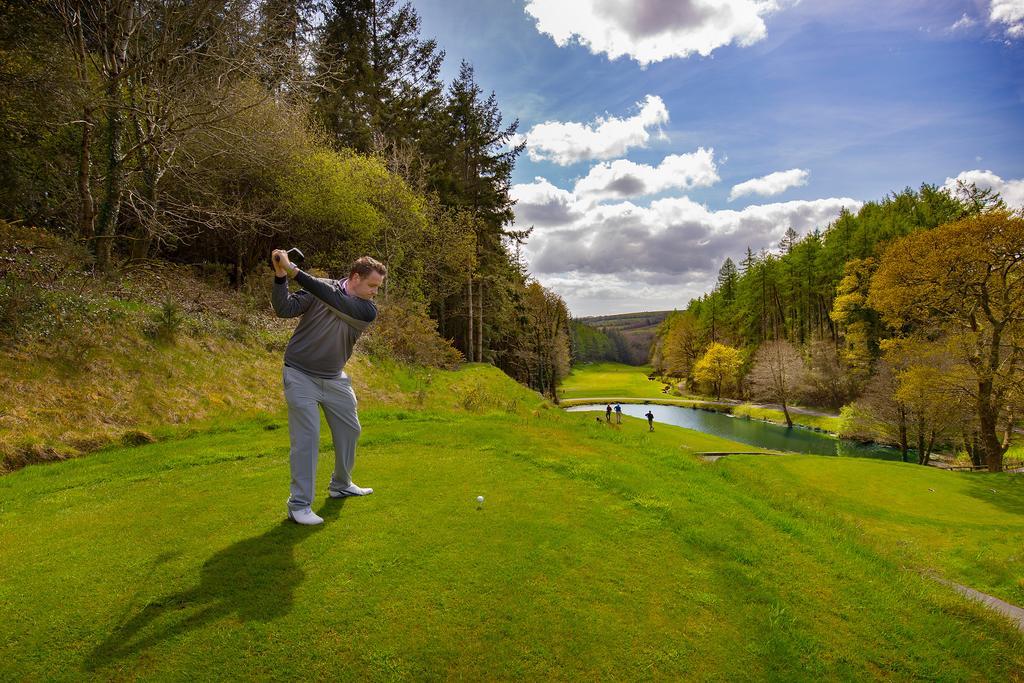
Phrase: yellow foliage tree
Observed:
(851, 313)
(719, 364)
(964, 280)
(682, 345)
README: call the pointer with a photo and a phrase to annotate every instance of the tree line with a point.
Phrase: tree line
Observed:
(589, 344)
(907, 315)
(210, 131)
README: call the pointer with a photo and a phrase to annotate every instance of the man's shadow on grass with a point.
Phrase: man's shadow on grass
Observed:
(252, 580)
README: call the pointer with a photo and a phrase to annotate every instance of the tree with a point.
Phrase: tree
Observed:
(777, 374)
(380, 81)
(682, 345)
(474, 158)
(827, 382)
(545, 351)
(878, 413)
(855, 320)
(719, 364)
(964, 278)
(727, 278)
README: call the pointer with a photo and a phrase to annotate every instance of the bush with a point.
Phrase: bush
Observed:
(166, 323)
(404, 332)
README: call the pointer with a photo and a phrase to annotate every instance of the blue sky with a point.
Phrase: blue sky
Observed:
(721, 123)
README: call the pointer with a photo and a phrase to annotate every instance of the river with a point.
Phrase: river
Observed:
(752, 432)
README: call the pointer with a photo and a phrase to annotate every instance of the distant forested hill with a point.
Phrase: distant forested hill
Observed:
(626, 337)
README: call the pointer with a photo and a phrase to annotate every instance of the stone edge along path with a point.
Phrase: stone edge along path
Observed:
(1014, 613)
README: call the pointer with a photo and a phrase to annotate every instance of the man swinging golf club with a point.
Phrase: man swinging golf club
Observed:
(334, 314)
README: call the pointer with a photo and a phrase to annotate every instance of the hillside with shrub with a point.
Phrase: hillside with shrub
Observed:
(197, 137)
(94, 361)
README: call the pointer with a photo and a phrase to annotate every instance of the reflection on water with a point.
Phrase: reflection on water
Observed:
(753, 432)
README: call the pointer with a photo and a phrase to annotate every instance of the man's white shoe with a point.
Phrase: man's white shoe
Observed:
(305, 516)
(350, 490)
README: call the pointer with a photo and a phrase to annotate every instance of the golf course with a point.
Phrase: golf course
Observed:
(600, 551)
(536, 341)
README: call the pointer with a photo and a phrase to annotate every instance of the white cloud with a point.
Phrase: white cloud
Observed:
(1010, 13)
(541, 203)
(771, 184)
(1012, 191)
(607, 137)
(620, 179)
(628, 257)
(675, 236)
(964, 22)
(652, 30)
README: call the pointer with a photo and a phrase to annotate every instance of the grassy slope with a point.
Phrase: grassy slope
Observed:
(833, 425)
(609, 380)
(969, 527)
(599, 552)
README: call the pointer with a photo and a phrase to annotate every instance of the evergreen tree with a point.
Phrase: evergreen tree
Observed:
(727, 279)
(473, 163)
(379, 80)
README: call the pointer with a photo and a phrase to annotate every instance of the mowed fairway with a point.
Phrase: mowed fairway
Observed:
(610, 380)
(599, 552)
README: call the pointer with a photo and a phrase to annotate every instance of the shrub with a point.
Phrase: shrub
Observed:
(167, 322)
(403, 331)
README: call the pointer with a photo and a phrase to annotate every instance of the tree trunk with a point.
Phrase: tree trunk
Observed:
(469, 328)
(991, 448)
(904, 445)
(111, 208)
(115, 61)
(143, 237)
(922, 455)
(480, 327)
(928, 451)
(87, 208)
(785, 411)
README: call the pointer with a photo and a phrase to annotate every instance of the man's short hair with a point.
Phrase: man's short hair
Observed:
(365, 265)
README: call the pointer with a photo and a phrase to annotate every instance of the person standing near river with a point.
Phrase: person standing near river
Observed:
(334, 313)
(608, 413)
(618, 414)
(650, 420)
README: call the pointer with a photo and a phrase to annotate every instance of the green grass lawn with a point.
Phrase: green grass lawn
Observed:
(833, 425)
(610, 380)
(600, 552)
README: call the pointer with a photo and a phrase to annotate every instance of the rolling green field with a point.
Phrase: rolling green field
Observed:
(600, 552)
(610, 380)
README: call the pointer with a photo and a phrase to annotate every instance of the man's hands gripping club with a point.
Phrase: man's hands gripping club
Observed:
(282, 264)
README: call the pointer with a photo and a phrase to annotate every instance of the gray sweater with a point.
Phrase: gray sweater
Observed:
(322, 342)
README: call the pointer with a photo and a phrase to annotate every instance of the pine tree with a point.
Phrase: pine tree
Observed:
(727, 279)
(473, 161)
(379, 81)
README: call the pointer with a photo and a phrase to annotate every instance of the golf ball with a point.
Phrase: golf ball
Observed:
(479, 499)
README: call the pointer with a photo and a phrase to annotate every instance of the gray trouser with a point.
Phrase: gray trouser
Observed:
(305, 394)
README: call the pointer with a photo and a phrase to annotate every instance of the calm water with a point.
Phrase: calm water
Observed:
(753, 432)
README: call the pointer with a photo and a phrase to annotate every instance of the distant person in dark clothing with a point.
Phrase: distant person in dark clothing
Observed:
(618, 414)
(608, 413)
(650, 420)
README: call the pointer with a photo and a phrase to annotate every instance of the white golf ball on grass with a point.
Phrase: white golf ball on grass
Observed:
(480, 499)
